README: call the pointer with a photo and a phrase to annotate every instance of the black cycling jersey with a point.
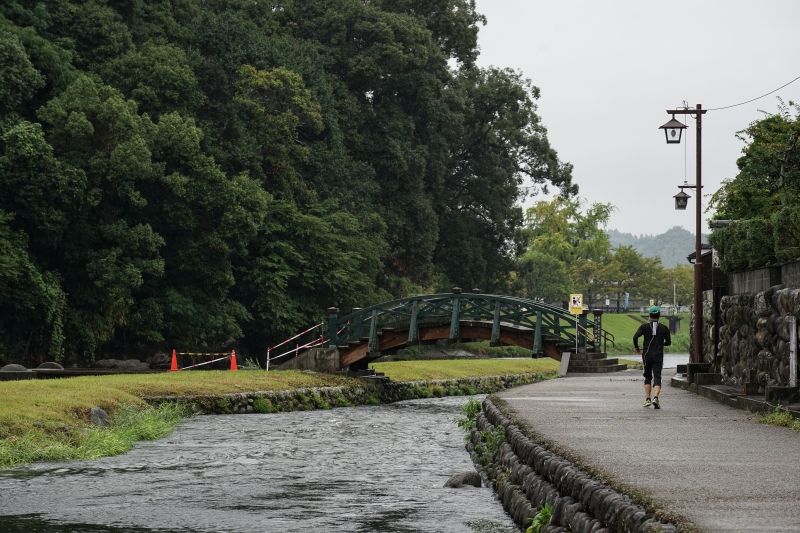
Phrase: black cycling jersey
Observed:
(654, 342)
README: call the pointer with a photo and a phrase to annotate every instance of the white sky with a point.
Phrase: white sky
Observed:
(609, 70)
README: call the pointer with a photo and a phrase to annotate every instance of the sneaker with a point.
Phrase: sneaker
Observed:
(656, 405)
(646, 403)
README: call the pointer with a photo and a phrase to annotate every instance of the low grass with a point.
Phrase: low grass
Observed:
(132, 423)
(50, 417)
(413, 353)
(632, 363)
(780, 417)
(624, 326)
(459, 368)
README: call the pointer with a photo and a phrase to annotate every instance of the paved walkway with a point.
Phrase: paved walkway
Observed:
(710, 463)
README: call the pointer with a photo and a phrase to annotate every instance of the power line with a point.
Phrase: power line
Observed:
(754, 99)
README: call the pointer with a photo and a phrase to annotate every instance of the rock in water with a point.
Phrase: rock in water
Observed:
(50, 365)
(99, 417)
(464, 479)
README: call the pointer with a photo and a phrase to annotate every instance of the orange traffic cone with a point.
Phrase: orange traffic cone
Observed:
(174, 366)
(233, 360)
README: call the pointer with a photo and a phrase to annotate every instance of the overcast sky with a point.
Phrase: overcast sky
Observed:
(609, 70)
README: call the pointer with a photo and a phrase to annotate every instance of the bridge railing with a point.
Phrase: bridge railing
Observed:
(546, 321)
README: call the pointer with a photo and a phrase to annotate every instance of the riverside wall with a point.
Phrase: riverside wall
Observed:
(527, 476)
(708, 327)
(754, 336)
(361, 392)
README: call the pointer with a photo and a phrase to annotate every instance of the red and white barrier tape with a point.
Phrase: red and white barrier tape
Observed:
(206, 363)
(296, 349)
(312, 328)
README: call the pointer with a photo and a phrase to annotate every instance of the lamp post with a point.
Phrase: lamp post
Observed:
(672, 130)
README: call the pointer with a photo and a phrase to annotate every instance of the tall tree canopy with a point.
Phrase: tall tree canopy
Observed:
(200, 173)
(763, 200)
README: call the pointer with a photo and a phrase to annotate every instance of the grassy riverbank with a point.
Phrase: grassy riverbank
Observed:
(462, 368)
(624, 326)
(49, 419)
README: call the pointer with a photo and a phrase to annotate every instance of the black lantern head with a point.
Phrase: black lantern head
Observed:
(681, 200)
(673, 130)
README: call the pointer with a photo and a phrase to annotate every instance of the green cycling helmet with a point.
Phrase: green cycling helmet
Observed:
(655, 310)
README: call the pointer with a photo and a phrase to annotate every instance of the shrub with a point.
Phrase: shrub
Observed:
(263, 405)
(470, 411)
(319, 402)
(495, 436)
(341, 401)
(745, 245)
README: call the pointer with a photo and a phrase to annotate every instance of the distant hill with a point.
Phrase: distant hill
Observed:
(672, 247)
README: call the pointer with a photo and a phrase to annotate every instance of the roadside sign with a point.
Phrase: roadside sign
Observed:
(576, 304)
(652, 302)
(608, 302)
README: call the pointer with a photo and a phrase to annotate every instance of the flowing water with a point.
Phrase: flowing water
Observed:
(360, 469)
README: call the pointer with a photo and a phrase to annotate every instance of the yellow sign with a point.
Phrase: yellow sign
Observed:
(576, 304)
(652, 303)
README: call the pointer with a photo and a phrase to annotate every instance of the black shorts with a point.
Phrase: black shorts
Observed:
(652, 370)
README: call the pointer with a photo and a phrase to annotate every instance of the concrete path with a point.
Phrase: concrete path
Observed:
(712, 464)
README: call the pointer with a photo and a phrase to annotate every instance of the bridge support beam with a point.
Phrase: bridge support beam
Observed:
(598, 330)
(413, 328)
(455, 332)
(582, 333)
(333, 315)
(496, 325)
(372, 344)
(537, 339)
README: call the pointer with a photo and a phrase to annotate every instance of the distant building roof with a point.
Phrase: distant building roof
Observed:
(705, 247)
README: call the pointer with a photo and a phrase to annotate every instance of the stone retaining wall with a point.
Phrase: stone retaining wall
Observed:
(359, 393)
(528, 476)
(708, 327)
(754, 336)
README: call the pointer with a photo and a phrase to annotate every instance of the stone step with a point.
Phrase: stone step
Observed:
(594, 362)
(587, 356)
(597, 369)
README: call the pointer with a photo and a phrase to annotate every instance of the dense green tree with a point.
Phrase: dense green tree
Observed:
(543, 276)
(560, 229)
(629, 271)
(763, 199)
(769, 170)
(18, 78)
(176, 173)
(159, 78)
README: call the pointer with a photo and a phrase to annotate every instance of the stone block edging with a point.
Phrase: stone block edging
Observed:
(529, 476)
(359, 393)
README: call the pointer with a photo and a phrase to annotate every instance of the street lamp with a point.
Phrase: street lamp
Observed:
(672, 130)
(681, 200)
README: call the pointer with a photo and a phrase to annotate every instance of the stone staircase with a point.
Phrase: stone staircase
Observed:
(593, 363)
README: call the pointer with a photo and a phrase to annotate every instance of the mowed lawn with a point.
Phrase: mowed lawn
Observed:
(462, 368)
(624, 326)
(45, 405)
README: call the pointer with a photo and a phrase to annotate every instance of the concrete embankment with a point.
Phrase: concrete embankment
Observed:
(528, 476)
(694, 463)
(359, 393)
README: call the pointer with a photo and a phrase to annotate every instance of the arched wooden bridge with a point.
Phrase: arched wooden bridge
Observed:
(366, 334)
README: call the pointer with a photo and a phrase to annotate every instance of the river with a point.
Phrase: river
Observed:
(358, 469)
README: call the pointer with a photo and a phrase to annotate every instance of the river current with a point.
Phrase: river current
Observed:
(358, 469)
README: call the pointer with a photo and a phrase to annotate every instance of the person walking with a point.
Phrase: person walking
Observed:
(656, 336)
